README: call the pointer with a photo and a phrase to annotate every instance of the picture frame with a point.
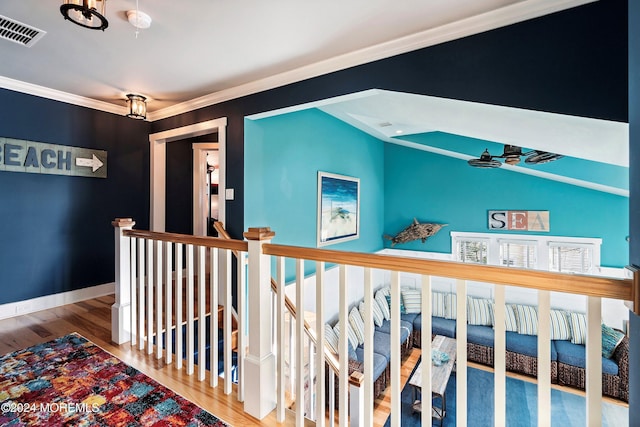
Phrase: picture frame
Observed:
(338, 208)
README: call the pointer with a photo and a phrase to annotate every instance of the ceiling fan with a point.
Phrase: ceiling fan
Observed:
(511, 156)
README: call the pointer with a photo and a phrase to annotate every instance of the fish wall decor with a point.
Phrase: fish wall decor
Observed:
(415, 231)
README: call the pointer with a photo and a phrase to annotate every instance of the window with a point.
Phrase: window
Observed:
(518, 254)
(542, 252)
(472, 251)
(570, 258)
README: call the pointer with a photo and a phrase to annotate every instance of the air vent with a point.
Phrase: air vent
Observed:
(18, 32)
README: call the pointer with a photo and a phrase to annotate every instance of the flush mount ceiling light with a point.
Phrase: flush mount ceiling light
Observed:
(511, 156)
(136, 106)
(86, 13)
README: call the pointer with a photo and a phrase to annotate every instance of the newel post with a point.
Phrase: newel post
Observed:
(260, 364)
(121, 309)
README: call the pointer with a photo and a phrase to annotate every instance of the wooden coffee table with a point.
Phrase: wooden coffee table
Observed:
(439, 376)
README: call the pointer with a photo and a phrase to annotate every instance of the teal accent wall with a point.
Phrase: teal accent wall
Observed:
(283, 155)
(435, 188)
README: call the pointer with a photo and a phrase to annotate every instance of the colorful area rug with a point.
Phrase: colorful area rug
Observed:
(71, 381)
(567, 409)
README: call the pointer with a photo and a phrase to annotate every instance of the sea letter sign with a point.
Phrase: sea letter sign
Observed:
(519, 220)
(17, 155)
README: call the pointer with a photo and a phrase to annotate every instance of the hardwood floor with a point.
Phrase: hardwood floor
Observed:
(92, 319)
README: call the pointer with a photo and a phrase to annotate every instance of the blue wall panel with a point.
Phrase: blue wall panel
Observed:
(55, 231)
(435, 188)
(283, 155)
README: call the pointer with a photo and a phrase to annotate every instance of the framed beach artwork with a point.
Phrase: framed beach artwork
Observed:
(338, 208)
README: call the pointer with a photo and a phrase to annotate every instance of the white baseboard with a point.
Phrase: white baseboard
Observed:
(19, 308)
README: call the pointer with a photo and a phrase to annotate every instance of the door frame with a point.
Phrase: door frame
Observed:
(158, 166)
(200, 203)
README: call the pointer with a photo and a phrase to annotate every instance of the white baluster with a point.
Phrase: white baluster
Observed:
(141, 294)
(425, 344)
(300, 400)
(242, 310)
(227, 325)
(159, 295)
(202, 316)
(500, 362)
(395, 350)
(461, 353)
(134, 293)
(213, 296)
(343, 348)
(179, 296)
(544, 358)
(280, 340)
(320, 360)
(168, 301)
(593, 382)
(149, 286)
(367, 405)
(190, 309)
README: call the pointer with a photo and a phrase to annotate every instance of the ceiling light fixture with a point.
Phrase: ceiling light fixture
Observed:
(86, 13)
(511, 156)
(136, 106)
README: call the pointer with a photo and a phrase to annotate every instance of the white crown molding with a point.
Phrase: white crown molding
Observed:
(58, 95)
(507, 15)
(504, 16)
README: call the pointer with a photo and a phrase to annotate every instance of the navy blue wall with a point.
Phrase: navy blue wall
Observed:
(55, 231)
(572, 62)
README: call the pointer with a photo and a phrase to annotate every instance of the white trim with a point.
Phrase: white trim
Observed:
(158, 158)
(199, 172)
(58, 95)
(504, 16)
(46, 302)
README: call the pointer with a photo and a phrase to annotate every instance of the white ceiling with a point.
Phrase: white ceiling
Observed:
(200, 48)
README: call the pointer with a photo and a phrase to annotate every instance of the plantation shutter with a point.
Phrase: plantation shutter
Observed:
(519, 254)
(570, 258)
(472, 251)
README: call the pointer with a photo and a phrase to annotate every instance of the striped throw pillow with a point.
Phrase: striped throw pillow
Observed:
(382, 304)
(578, 328)
(351, 335)
(331, 338)
(560, 327)
(527, 316)
(451, 306)
(412, 300)
(357, 324)
(610, 340)
(378, 317)
(479, 311)
(438, 306)
(510, 322)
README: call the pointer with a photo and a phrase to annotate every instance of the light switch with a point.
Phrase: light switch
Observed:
(229, 194)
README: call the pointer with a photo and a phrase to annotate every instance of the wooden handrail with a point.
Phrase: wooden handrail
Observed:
(596, 286)
(329, 356)
(210, 242)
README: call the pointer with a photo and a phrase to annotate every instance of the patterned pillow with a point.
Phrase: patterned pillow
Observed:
(331, 338)
(479, 311)
(527, 316)
(610, 340)
(378, 317)
(351, 335)
(451, 306)
(412, 300)
(578, 328)
(438, 306)
(382, 304)
(560, 328)
(402, 309)
(357, 324)
(510, 322)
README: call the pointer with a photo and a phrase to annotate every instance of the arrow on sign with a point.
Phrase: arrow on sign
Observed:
(94, 163)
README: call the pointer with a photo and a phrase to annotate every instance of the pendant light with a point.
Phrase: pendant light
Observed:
(86, 13)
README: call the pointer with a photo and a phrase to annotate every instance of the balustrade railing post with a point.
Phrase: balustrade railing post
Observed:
(121, 309)
(260, 364)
